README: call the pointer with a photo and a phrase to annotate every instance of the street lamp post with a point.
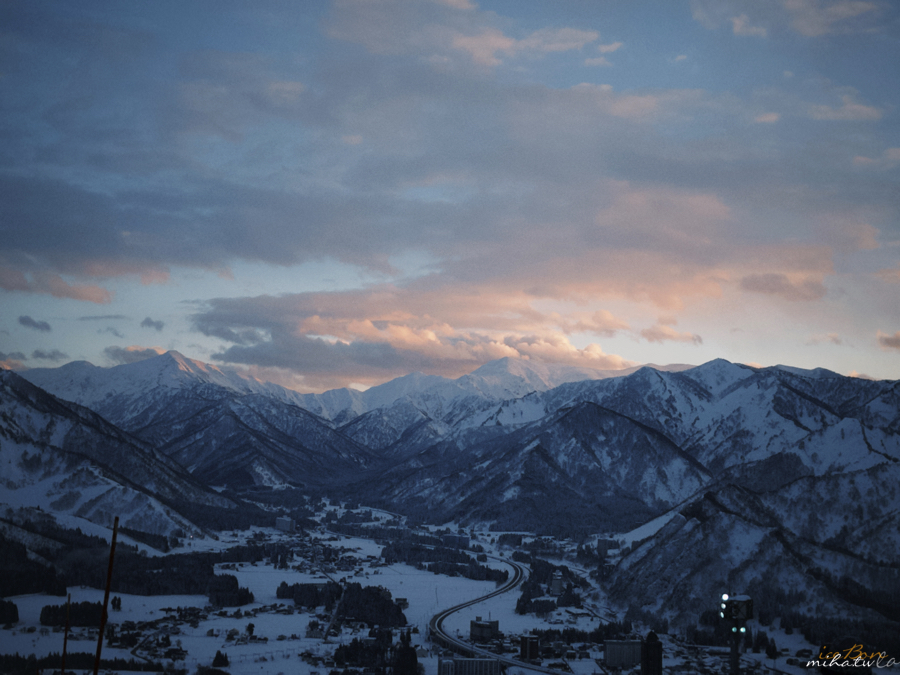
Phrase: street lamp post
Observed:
(737, 610)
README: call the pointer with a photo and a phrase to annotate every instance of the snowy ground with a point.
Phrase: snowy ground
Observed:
(426, 593)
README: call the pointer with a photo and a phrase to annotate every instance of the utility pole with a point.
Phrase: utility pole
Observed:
(112, 554)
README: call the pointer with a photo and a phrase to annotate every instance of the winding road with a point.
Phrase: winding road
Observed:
(436, 625)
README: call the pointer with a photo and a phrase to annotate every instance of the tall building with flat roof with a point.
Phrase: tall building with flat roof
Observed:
(483, 631)
(285, 524)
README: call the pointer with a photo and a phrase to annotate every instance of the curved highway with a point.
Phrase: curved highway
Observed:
(436, 625)
(437, 621)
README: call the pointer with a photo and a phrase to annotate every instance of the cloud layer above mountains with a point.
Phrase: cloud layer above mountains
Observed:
(600, 183)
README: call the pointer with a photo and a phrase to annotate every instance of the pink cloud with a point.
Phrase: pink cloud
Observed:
(52, 284)
(665, 333)
(148, 274)
(371, 335)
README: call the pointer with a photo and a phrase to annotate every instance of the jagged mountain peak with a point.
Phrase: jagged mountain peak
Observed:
(719, 375)
(173, 369)
(96, 387)
(405, 386)
(511, 377)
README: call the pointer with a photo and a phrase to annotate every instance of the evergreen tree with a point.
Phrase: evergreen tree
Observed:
(220, 660)
(405, 660)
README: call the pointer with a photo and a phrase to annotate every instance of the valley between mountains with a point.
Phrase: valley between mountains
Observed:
(672, 484)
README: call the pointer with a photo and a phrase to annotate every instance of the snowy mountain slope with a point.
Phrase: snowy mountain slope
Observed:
(512, 436)
(384, 429)
(226, 429)
(123, 393)
(604, 465)
(440, 397)
(67, 458)
(726, 415)
(732, 540)
(255, 440)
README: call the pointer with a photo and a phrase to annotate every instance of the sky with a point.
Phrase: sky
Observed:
(338, 193)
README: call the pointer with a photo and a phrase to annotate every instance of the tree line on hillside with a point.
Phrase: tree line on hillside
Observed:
(412, 553)
(81, 614)
(310, 596)
(223, 591)
(173, 574)
(470, 570)
(21, 575)
(29, 665)
(373, 605)
(441, 560)
(9, 612)
(385, 534)
(83, 561)
(78, 559)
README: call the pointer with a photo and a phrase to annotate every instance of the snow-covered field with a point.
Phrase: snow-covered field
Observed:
(426, 593)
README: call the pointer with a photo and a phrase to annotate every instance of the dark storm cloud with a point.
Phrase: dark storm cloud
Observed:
(318, 356)
(109, 330)
(447, 158)
(887, 341)
(141, 141)
(28, 322)
(12, 356)
(150, 323)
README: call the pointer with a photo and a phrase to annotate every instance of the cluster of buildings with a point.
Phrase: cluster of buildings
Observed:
(617, 654)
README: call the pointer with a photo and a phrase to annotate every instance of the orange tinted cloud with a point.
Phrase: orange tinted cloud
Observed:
(665, 333)
(371, 335)
(52, 284)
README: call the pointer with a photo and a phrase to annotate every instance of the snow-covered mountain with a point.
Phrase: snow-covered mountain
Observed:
(225, 429)
(124, 392)
(514, 442)
(439, 397)
(67, 459)
(758, 473)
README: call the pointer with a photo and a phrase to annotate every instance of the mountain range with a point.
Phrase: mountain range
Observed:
(754, 474)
